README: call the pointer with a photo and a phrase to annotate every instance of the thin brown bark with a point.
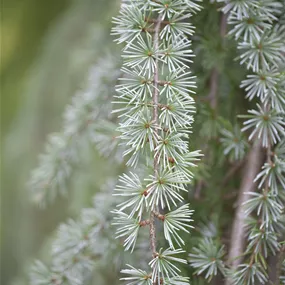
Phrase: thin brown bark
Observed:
(253, 164)
(214, 88)
(223, 26)
(152, 230)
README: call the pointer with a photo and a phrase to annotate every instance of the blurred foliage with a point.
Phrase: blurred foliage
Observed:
(47, 50)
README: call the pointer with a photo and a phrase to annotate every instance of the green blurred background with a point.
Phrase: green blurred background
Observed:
(46, 50)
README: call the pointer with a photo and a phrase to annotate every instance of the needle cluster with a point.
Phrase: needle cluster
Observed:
(156, 111)
(82, 127)
(257, 27)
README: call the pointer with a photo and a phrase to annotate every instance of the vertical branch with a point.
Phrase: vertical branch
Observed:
(156, 90)
(223, 26)
(213, 94)
(147, 132)
(253, 164)
(152, 230)
(152, 234)
(268, 157)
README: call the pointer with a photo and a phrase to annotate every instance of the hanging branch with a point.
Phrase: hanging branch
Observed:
(213, 96)
(261, 43)
(75, 249)
(81, 127)
(156, 111)
(152, 230)
(83, 247)
(253, 163)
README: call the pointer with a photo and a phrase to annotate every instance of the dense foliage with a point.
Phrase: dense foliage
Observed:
(234, 231)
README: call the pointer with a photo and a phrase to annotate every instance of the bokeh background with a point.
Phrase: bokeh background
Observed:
(47, 48)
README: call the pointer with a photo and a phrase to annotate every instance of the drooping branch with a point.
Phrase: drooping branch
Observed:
(157, 112)
(253, 164)
(212, 97)
(214, 78)
(152, 230)
(267, 126)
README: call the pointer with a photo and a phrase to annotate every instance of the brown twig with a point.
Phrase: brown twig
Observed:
(253, 163)
(155, 21)
(152, 230)
(214, 88)
(214, 78)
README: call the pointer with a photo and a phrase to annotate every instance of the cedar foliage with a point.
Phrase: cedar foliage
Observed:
(150, 128)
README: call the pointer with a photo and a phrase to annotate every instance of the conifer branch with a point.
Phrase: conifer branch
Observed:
(261, 51)
(157, 113)
(254, 161)
(83, 118)
(75, 249)
(152, 229)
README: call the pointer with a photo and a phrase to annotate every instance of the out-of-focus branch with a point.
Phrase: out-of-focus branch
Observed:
(214, 79)
(213, 94)
(214, 88)
(253, 164)
(152, 229)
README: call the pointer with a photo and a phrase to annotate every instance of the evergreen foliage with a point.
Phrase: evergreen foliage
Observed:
(154, 107)
(84, 245)
(156, 113)
(261, 39)
(82, 122)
